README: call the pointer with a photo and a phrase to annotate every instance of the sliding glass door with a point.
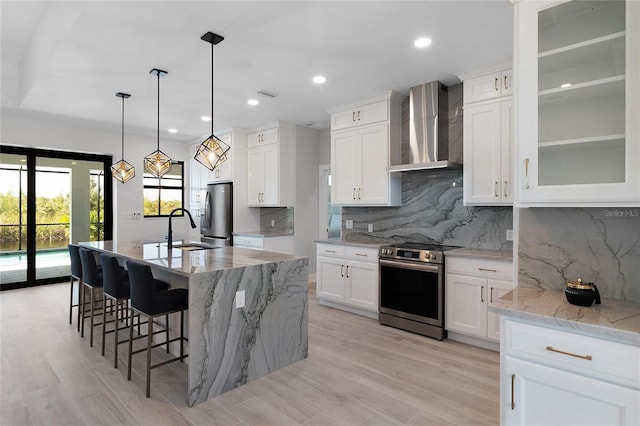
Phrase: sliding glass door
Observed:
(49, 199)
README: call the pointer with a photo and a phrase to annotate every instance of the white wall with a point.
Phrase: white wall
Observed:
(305, 212)
(324, 147)
(67, 134)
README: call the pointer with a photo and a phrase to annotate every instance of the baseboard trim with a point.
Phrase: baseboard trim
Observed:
(350, 309)
(474, 341)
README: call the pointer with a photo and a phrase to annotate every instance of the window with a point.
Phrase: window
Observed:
(96, 203)
(162, 195)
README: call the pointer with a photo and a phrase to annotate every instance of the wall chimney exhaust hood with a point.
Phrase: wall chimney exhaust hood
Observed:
(427, 146)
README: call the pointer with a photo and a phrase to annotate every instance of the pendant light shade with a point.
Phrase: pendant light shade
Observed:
(122, 170)
(212, 151)
(157, 163)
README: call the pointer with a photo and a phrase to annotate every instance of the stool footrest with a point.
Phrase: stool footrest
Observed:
(160, 364)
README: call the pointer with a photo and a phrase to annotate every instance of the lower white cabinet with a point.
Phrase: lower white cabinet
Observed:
(348, 275)
(471, 285)
(279, 244)
(553, 377)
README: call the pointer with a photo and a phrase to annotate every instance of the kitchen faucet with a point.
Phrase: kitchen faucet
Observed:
(169, 234)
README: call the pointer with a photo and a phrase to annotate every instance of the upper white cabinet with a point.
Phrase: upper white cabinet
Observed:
(488, 139)
(488, 86)
(577, 80)
(364, 139)
(271, 166)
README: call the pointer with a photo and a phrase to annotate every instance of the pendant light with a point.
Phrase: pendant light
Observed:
(212, 151)
(122, 170)
(157, 163)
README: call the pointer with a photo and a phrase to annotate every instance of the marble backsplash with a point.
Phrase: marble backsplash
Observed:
(432, 210)
(599, 245)
(276, 220)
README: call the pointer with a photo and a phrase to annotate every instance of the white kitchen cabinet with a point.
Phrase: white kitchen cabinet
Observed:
(471, 285)
(488, 156)
(271, 166)
(556, 377)
(278, 244)
(348, 276)
(488, 86)
(365, 139)
(577, 84)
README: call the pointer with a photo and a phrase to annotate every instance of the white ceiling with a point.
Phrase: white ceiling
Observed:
(70, 58)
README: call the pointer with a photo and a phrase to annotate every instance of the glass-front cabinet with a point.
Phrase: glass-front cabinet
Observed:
(578, 98)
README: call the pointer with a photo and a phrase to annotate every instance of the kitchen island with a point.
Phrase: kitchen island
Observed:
(231, 346)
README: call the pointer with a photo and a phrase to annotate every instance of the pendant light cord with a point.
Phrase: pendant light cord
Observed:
(123, 127)
(211, 89)
(158, 110)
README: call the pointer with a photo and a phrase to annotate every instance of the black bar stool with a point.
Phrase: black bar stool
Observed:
(91, 279)
(116, 289)
(147, 301)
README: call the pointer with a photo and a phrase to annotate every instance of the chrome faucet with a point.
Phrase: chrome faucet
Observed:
(169, 234)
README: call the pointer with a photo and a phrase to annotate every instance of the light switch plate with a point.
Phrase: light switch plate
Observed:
(240, 299)
(349, 224)
(370, 227)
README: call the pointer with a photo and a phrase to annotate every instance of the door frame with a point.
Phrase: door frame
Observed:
(31, 154)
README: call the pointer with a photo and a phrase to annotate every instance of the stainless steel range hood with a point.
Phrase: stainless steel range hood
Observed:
(427, 145)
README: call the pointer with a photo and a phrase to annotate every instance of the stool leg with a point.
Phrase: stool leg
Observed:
(149, 336)
(166, 318)
(71, 300)
(104, 321)
(80, 291)
(181, 335)
(91, 320)
(84, 290)
(130, 347)
(115, 349)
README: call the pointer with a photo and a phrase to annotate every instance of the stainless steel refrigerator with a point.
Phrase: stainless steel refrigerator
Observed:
(216, 224)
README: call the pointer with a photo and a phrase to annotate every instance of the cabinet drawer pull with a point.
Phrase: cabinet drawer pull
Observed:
(495, 84)
(482, 294)
(513, 385)
(552, 349)
(487, 270)
(330, 251)
(495, 192)
(360, 254)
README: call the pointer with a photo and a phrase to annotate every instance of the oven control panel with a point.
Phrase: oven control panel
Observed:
(411, 254)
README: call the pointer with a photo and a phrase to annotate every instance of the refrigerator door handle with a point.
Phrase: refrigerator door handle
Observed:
(207, 213)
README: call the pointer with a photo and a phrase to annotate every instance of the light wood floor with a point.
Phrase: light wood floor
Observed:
(358, 372)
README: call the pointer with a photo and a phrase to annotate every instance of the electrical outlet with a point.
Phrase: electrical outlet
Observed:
(273, 223)
(509, 234)
(240, 299)
(349, 224)
(370, 227)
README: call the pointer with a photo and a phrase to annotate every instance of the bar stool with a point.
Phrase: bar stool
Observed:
(91, 279)
(116, 290)
(147, 301)
(76, 275)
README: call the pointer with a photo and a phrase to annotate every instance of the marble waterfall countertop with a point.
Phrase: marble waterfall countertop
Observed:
(612, 320)
(230, 346)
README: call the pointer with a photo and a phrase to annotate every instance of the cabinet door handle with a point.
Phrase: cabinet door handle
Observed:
(353, 116)
(505, 82)
(482, 294)
(487, 270)
(342, 270)
(505, 188)
(358, 115)
(552, 349)
(526, 173)
(513, 385)
(354, 193)
(358, 193)
(347, 271)
(490, 294)
(495, 85)
(495, 191)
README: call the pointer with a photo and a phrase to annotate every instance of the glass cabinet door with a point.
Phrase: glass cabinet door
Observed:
(583, 70)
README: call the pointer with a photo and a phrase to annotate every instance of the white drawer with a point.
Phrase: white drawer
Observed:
(589, 356)
(249, 242)
(479, 267)
(330, 250)
(365, 254)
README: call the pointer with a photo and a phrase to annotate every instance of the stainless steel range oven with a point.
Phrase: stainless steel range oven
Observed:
(411, 288)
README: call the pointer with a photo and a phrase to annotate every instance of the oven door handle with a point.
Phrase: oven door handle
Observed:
(416, 266)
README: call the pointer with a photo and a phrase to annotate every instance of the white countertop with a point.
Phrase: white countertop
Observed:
(185, 262)
(506, 255)
(613, 319)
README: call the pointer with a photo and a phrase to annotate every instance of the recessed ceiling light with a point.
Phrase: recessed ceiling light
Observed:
(173, 130)
(422, 42)
(565, 85)
(205, 118)
(253, 102)
(319, 79)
